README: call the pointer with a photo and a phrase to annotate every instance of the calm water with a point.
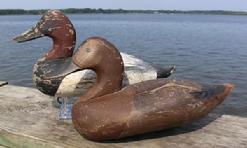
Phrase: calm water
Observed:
(205, 48)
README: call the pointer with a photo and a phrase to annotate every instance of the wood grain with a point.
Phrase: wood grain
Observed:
(28, 119)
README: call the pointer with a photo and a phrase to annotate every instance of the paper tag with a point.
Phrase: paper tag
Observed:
(65, 111)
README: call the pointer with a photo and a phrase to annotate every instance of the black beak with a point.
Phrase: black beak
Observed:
(30, 34)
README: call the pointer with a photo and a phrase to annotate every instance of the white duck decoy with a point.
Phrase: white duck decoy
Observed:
(55, 74)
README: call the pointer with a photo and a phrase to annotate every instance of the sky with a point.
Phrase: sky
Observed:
(234, 5)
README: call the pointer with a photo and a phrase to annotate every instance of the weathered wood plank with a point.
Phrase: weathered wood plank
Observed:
(2, 83)
(28, 119)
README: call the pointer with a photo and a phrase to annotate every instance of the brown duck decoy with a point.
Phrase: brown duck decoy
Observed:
(55, 73)
(106, 112)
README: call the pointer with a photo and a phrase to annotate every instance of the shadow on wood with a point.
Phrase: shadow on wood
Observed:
(170, 132)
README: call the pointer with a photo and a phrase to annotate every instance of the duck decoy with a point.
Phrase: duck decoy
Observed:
(108, 112)
(55, 74)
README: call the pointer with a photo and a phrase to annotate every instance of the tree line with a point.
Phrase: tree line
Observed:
(110, 11)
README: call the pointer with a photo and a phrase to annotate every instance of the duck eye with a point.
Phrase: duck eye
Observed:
(88, 50)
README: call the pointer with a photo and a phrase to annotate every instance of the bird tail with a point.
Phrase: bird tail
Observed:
(165, 72)
(227, 90)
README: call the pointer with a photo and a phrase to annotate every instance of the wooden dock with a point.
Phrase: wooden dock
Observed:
(29, 120)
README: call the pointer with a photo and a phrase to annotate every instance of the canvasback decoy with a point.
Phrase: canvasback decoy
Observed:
(49, 73)
(108, 112)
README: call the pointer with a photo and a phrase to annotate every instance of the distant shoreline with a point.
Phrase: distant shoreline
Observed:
(117, 11)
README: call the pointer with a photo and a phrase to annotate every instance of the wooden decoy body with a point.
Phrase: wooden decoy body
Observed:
(55, 73)
(108, 112)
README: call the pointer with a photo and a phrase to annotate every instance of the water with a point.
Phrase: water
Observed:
(205, 48)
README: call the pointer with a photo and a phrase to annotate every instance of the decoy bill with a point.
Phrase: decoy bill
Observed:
(108, 112)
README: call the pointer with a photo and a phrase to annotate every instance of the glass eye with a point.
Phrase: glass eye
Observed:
(88, 50)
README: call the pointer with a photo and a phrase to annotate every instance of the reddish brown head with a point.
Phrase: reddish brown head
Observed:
(101, 56)
(57, 26)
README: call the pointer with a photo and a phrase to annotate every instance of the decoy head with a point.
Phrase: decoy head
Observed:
(98, 54)
(51, 24)
(57, 26)
(102, 57)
